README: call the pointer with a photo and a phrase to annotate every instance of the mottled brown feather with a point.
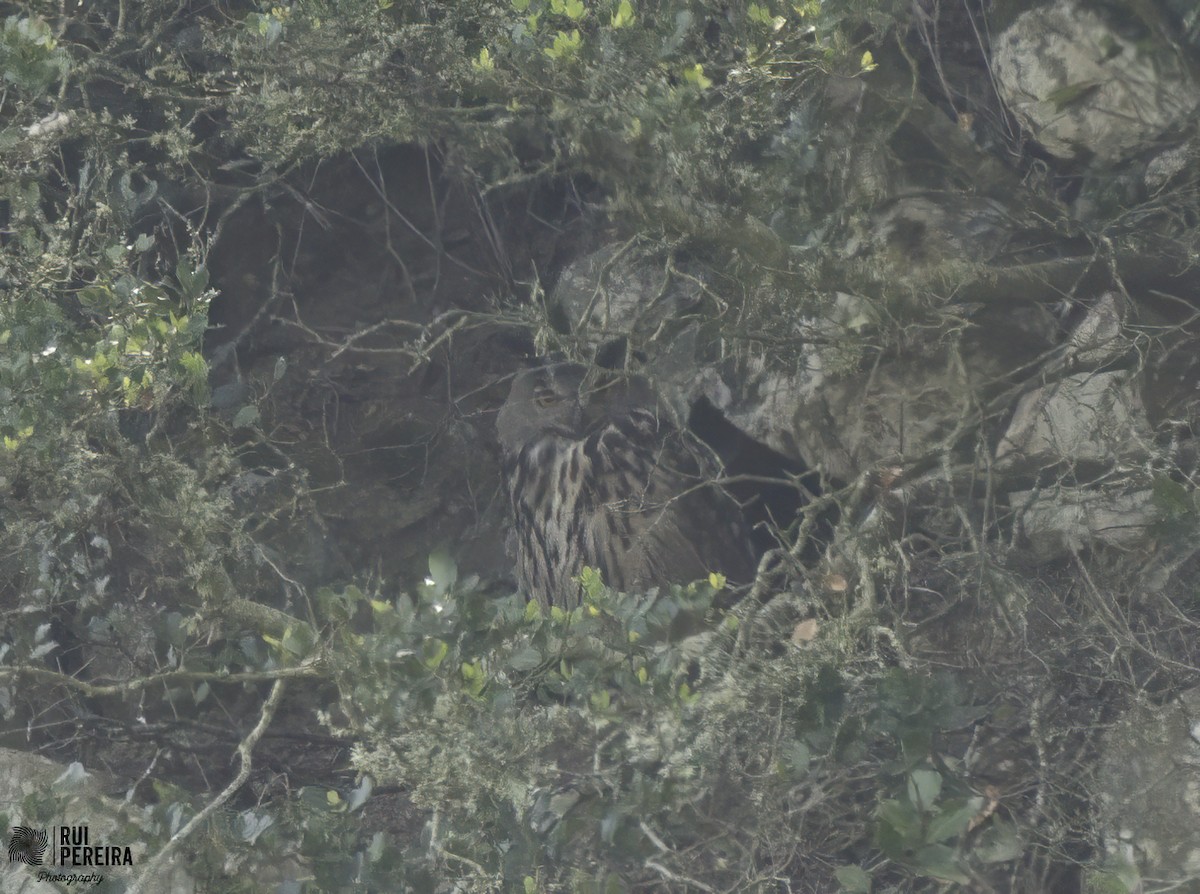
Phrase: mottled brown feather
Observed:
(602, 477)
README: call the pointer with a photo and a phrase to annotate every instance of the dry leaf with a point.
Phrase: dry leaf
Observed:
(805, 631)
(890, 476)
(836, 583)
(993, 801)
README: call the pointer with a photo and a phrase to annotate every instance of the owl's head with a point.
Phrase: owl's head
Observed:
(542, 401)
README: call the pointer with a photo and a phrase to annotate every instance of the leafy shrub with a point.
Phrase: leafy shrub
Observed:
(638, 741)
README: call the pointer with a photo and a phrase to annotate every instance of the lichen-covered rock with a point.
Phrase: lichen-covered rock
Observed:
(920, 237)
(1149, 782)
(845, 414)
(894, 410)
(618, 291)
(1098, 338)
(27, 779)
(1062, 521)
(1171, 163)
(666, 312)
(1088, 417)
(1083, 89)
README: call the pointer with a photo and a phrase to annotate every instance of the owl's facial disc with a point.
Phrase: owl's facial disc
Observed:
(542, 401)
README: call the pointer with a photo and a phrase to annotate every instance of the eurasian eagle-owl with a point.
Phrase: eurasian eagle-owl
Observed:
(598, 475)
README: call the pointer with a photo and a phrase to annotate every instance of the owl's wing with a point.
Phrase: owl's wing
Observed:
(659, 516)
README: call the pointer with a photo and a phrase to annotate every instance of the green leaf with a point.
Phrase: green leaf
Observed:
(433, 651)
(683, 24)
(998, 843)
(924, 786)
(192, 280)
(1168, 495)
(890, 842)
(194, 363)
(609, 826)
(760, 14)
(623, 15)
(359, 796)
(442, 570)
(795, 758)
(484, 61)
(315, 797)
(899, 828)
(471, 670)
(297, 640)
(952, 820)
(574, 9)
(941, 862)
(694, 74)
(592, 583)
(565, 45)
(1118, 875)
(853, 879)
(899, 816)
(95, 295)
(525, 659)
(74, 776)
(246, 417)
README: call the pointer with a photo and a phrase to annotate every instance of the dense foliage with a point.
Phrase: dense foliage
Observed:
(156, 608)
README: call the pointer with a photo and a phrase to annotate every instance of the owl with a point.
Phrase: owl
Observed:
(599, 476)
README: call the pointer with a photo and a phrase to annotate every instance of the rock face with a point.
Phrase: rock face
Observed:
(24, 776)
(1085, 431)
(1082, 89)
(1150, 791)
(1088, 417)
(615, 291)
(1066, 520)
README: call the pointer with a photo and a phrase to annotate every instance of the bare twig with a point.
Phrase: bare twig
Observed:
(245, 749)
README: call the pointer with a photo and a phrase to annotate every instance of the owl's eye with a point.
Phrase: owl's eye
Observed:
(546, 398)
